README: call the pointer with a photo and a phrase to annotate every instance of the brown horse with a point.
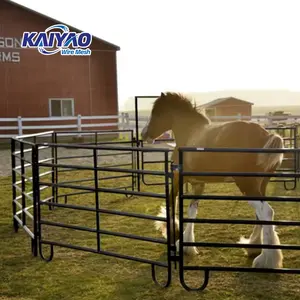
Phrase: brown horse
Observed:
(172, 111)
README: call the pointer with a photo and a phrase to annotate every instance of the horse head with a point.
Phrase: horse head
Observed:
(160, 119)
(170, 110)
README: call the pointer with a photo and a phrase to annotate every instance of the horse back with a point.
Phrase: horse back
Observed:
(237, 134)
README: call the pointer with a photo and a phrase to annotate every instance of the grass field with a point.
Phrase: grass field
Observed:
(81, 275)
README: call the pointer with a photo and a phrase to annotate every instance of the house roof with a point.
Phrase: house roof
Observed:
(117, 48)
(220, 100)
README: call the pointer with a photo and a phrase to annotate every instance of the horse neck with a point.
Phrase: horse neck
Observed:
(183, 127)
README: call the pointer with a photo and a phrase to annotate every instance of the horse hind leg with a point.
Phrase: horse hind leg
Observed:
(269, 258)
(256, 236)
(264, 234)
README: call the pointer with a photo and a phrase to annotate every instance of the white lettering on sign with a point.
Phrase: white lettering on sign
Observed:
(6, 45)
(10, 57)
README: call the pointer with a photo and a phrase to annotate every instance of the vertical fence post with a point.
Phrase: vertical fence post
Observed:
(20, 129)
(126, 120)
(270, 120)
(14, 179)
(122, 120)
(79, 124)
(121, 125)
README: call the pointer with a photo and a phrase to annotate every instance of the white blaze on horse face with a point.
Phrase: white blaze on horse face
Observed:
(144, 134)
(144, 131)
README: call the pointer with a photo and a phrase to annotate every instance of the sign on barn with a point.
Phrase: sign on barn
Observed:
(8, 47)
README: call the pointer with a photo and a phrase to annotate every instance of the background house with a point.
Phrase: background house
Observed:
(229, 106)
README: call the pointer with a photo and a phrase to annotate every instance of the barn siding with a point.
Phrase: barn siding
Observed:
(231, 107)
(233, 110)
(27, 86)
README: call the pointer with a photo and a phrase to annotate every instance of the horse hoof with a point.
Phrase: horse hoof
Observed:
(268, 260)
(191, 251)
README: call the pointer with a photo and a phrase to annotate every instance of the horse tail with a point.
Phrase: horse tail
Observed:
(269, 160)
(162, 225)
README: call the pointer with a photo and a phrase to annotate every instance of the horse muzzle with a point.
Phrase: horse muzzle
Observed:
(145, 136)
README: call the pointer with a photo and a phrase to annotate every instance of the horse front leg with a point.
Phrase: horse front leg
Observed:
(188, 234)
(174, 224)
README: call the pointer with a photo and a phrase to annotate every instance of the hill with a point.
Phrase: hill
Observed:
(262, 110)
(264, 100)
(256, 110)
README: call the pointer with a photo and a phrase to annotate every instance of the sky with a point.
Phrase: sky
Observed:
(191, 45)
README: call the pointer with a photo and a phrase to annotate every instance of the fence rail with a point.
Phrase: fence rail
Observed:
(77, 123)
(121, 121)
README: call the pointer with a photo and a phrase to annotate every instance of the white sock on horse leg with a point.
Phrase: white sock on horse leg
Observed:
(256, 235)
(269, 258)
(255, 238)
(188, 235)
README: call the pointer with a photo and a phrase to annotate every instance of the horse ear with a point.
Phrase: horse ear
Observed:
(162, 94)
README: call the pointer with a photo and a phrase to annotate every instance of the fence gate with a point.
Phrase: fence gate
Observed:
(291, 159)
(109, 158)
(24, 173)
(183, 197)
(96, 207)
(39, 184)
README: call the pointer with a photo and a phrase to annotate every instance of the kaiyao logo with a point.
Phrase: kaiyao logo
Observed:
(58, 38)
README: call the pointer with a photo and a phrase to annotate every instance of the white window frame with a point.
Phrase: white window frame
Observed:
(61, 99)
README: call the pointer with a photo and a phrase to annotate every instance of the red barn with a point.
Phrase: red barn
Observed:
(35, 85)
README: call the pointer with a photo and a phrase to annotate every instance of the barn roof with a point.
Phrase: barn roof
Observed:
(220, 100)
(117, 48)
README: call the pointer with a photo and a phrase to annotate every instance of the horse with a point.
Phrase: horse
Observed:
(192, 128)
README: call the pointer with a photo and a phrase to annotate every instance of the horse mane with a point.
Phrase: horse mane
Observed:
(181, 103)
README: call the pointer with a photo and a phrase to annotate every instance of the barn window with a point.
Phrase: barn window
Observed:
(61, 107)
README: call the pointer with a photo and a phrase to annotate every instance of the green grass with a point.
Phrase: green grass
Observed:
(86, 276)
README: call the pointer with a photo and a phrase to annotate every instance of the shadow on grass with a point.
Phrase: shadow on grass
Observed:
(266, 285)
